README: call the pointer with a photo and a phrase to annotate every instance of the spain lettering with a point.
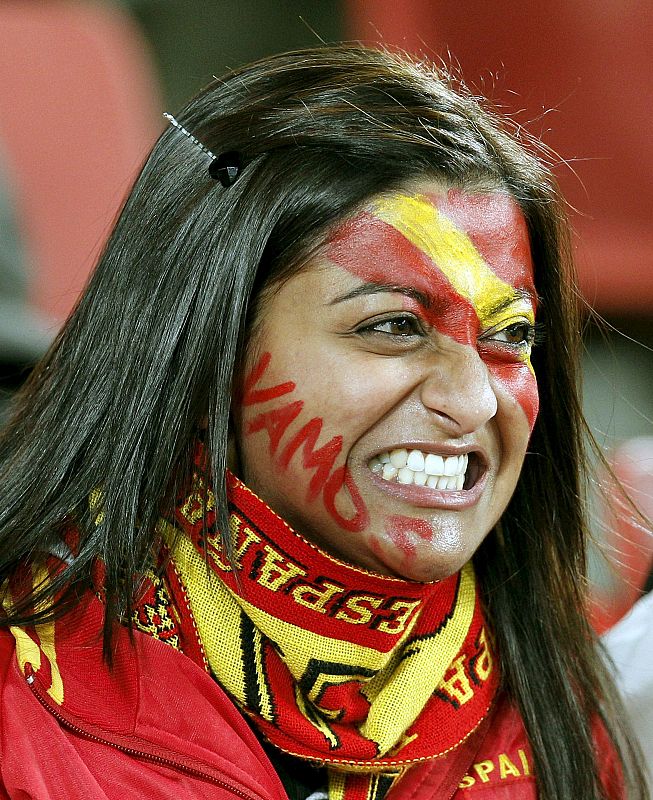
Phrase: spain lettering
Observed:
(500, 768)
(277, 572)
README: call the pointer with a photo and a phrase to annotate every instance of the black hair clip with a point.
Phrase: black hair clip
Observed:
(224, 168)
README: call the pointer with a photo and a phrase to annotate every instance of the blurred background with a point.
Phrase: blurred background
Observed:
(84, 85)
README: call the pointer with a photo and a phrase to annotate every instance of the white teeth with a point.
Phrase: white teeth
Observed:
(451, 466)
(419, 478)
(376, 466)
(433, 464)
(389, 472)
(415, 461)
(405, 475)
(398, 458)
(446, 473)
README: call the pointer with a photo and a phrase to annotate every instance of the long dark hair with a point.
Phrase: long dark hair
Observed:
(153, 344)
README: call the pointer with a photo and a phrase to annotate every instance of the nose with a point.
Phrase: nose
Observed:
(457, 388)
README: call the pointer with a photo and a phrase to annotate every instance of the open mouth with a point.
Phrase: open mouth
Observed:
(453, 473)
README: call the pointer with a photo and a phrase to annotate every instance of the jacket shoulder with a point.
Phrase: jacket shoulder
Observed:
(155, 725)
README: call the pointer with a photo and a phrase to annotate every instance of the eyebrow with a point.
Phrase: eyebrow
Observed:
(514, 297)
(376, 288)
(424, 300)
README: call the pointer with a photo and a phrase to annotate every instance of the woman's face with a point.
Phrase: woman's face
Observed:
(389, 397)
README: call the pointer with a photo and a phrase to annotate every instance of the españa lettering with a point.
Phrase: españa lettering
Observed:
(294, 581)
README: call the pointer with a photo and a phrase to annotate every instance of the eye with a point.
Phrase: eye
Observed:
(404, 326)
(520, 335)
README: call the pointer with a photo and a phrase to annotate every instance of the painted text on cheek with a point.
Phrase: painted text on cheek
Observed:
(325, 479)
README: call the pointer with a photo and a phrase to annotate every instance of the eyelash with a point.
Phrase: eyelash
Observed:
(372, 328)
(534, 334)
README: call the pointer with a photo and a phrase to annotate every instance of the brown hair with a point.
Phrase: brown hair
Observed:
(154, 341)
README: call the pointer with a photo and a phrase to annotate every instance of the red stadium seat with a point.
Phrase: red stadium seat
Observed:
(79, 109)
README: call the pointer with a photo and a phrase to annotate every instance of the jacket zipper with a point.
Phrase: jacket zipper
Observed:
(143, 754)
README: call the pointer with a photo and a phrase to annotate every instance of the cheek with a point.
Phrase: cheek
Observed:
(290, 447)
(518, 382)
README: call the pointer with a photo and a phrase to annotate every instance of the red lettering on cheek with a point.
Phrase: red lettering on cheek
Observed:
(275, 422)
(251, 396)
(322, 460)
(375, 546)
(341, 478)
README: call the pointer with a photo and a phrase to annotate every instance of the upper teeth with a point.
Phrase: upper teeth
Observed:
(414, 466)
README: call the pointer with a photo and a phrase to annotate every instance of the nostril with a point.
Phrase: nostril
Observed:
(462, 397)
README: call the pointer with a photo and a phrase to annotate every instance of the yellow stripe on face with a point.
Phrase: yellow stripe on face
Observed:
(453, 252)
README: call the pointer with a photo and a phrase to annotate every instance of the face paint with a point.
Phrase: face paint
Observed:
(389, 417)
(320, 460)
(473, 281)
(404, 525)
(251, 396)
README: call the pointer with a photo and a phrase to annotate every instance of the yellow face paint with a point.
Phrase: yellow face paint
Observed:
(469, 257)
(454, 253)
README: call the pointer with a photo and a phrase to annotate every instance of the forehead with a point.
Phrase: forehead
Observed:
(475, 242)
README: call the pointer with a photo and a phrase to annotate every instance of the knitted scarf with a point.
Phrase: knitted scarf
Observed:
(361, 673)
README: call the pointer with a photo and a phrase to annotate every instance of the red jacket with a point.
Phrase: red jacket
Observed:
(158, 726)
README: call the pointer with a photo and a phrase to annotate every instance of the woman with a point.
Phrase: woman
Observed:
(385, 587)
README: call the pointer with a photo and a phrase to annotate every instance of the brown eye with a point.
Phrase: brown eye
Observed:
(518, 334)
(403, 325)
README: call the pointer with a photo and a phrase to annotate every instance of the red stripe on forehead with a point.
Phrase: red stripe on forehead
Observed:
(376, 252)
(497, 228)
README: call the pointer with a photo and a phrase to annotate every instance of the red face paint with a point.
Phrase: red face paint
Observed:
(276, 422)
(497, 228)
(400, 538)
(404, 525)
(377, 252)
(368, 379)
(340, 479)
(252, 396)
(321, 460)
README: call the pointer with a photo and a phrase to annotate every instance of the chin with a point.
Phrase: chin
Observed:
(432, 572)
(426, 564)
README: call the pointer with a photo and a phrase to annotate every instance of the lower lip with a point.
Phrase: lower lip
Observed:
(425, 497)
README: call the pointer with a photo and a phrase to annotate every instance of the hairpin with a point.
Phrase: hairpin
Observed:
(224, 168)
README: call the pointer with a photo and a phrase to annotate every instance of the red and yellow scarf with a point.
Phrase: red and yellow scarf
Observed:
(358, 672)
